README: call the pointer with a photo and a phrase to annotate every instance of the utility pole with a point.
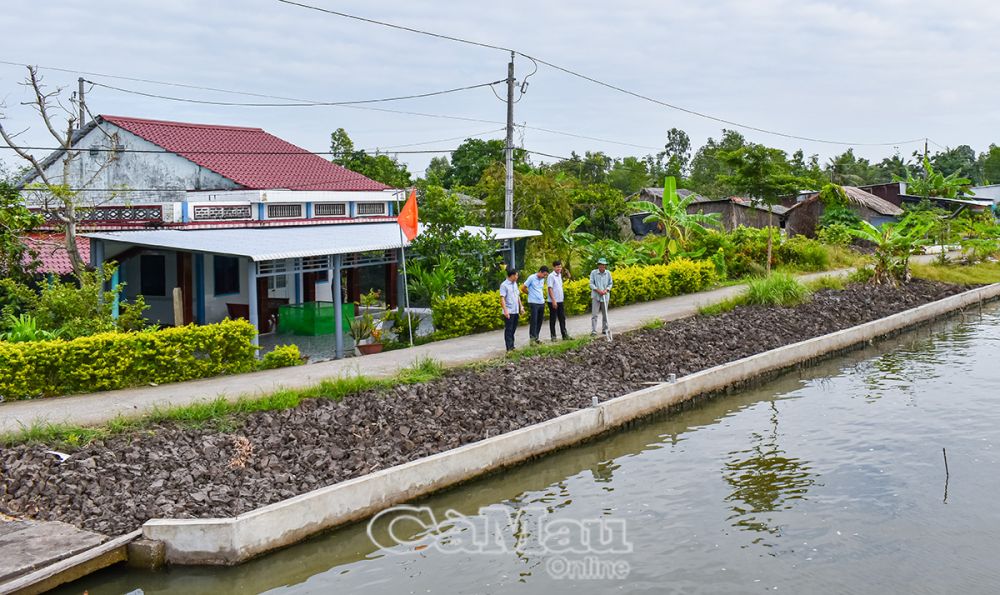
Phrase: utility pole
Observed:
(508, 203)
(82, 104)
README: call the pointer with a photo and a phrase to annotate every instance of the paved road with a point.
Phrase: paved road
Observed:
(97, 408)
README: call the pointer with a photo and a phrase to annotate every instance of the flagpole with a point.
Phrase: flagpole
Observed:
(406, 284)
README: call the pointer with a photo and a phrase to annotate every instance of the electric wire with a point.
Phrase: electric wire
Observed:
(300, 104)
(596, 81)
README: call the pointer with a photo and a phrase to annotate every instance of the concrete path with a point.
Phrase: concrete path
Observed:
(97, 408)
(30, 545)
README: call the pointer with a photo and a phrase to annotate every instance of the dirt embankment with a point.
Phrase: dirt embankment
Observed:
(113, 486)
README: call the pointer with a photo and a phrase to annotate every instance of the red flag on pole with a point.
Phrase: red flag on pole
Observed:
(408, 217)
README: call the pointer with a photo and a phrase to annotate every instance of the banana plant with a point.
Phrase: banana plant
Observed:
(674, 221)
(893, 248)
(574, 240)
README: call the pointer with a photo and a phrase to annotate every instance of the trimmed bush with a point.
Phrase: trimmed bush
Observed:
(804, 253)
(478, 312)
(113, 360)
(282, 356)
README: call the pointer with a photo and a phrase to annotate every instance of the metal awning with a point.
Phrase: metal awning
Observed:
(275, 243)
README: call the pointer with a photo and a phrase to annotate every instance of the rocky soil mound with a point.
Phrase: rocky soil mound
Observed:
(113, 486)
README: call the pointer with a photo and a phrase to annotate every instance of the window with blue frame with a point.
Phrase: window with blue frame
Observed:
(226, 271)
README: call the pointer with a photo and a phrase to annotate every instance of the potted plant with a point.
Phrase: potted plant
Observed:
(367, 337)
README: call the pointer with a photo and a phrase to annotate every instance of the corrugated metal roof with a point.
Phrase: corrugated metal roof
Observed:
(275, 243)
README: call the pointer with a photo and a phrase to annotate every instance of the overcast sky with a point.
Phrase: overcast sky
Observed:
(867, 72)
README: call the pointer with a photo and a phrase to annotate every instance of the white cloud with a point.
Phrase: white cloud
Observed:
(867, 71)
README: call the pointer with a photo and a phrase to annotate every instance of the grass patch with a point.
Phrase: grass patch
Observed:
(982, 273)
(834, 282)
(221, 413)
(652, 325)
(780, 289)
(547, 349)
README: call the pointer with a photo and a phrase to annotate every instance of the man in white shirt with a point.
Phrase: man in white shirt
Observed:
(554, 284)
(510, 302)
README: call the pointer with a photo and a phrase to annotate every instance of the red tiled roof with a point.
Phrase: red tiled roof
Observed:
(52, 255)
(258, 160)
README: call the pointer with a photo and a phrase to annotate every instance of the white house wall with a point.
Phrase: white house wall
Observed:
(141, 172)
(215, 306)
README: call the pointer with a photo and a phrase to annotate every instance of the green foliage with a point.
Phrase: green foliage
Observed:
(861, 275)
(983, 273)
(893, 248)
(362, 328)
(112, 360)
(16, 298)
(674, 220)
(441, 206)
(16, 260)
(709, 170)
(281, 356)
(980, 238)
(478, 312)
(25, 328)
(804, 254)
(429, 285)
(829, 282)
(835, 234)
(380, 168)
(473, 157)
(424, 369)
(547, 349)
(777, 289)
(474, 259)
(934, 183)
(85, 308)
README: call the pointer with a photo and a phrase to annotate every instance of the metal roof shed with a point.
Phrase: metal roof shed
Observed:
(273, 251)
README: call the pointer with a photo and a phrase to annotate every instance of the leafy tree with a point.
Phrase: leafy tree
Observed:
(847, 169)
(474, 259)
(677, 153)
(592, 168)
(960, 161)
(674, 220)
(16, 260)
(709, 171)
(379, 167)
(808, 170)
(438, 205)
(629, 175)
(989, 165)
(438, 172)
(761, 173)
(892, 167)
(603, 207)
(474, 156)
(542, 201)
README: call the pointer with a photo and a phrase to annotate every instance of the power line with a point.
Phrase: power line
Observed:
(300, 104)
(400, 27)
(186, 152)
(597, 81)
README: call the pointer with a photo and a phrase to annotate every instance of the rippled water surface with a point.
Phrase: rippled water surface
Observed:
(828, 480)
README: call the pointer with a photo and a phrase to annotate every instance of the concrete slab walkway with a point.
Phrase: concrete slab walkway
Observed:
(97, 408)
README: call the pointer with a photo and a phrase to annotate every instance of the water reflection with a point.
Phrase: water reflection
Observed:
(764, 479)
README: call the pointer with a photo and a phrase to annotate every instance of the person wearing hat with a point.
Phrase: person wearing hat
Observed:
(600, 286)
(510, 302)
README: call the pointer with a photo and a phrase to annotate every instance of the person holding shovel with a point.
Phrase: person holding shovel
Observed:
(600, 295)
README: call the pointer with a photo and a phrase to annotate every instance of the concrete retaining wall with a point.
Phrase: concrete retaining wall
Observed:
(235, 540)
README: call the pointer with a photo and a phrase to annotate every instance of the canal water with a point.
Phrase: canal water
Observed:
(876, 472)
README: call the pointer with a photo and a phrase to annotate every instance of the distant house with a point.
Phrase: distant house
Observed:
(988, 192)
(803, 218)
(734, 211)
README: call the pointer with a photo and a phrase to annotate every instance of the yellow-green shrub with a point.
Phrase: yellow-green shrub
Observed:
(108, 361)
(282, 356)
(478, 312)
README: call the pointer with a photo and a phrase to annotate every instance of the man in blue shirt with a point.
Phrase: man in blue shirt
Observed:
(510, 302)
(535, 286)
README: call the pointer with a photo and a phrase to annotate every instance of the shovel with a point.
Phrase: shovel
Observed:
(604, 300)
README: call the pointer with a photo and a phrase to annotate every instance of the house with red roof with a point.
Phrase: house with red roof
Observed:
(207, 221)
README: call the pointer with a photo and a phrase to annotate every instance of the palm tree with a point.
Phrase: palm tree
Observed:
(673, 218)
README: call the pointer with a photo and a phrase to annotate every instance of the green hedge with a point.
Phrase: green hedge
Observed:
(478, 312)
(114, 360)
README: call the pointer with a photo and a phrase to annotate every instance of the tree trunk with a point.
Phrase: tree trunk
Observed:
(770, 242)
(74, 254)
